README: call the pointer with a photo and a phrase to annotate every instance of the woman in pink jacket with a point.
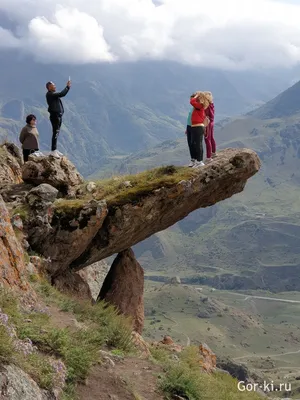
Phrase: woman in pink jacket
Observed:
(209, 131)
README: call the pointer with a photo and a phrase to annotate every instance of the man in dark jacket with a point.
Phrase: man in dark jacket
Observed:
(56, 111)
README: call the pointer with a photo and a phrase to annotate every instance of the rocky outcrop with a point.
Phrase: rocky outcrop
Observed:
(236, 370)
(12, 264)
(65, 243)
(100, 231)
(15, 384)
(10, 164)
(124, 288)
(59, 173)
(85, 283)
(209, 359)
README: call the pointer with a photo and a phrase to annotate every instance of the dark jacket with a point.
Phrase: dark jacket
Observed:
(55, 105)
(29, 137)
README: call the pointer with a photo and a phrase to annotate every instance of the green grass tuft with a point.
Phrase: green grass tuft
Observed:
(186, 379)
(116, 193)
(77, 347)
(6, 346)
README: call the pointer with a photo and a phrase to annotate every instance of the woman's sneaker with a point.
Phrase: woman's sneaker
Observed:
(59, 153)
(208, 160)
(198, 164)
(192, 163)
(55, 154)
(214, 155)
(37, 154)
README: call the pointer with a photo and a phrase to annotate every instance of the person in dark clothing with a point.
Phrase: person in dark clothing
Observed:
(29, 138)
(188, 133)
(56, 111)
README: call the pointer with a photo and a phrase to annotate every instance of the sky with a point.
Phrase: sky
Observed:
(226, 34)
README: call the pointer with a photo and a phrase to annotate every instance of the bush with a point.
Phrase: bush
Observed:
(187, 380)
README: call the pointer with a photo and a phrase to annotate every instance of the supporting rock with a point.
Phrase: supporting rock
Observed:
(124, 288)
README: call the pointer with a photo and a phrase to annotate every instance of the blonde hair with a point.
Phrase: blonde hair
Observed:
(202, 98)
(209, 97)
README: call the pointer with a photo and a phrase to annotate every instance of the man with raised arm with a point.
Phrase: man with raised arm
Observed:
(56, 111)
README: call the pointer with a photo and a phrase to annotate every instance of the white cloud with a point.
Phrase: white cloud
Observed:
(215, 33)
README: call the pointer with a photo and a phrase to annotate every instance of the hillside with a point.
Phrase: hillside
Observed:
(118, 109)
(85, 341)
(236, 243)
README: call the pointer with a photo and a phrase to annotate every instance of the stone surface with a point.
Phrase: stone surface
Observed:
(59, 173)
(85, 283)
(124, 288)
(236, 370)
(12, 265)
(40, 201)
(209, 359)
(61, 237)
(17, 222)
(91, 187)
(141, 345)
(15, 384)
(10, 164)
(122, 227)
(175, 281)
(168, 342)
(42, 193)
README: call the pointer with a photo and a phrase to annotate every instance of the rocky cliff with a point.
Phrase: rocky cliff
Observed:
(76, 225)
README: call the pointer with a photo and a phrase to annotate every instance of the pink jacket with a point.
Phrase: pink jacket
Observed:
(210, 112)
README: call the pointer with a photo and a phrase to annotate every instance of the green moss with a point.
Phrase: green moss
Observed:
(23, 211)
(116, 194)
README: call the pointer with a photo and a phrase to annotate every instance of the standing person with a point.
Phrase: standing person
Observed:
(56, 111)
(200, 103)
(29, 138)
(188, 133)
(209, 131)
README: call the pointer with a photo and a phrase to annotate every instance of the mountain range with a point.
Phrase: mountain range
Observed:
(252, 240)
(117, 109)
(128, 117)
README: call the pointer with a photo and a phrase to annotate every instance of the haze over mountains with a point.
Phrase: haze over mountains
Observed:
(127, 117)
(250, 241)
(121, 108)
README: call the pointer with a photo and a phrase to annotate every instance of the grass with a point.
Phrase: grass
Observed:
(115, 328)
(116, 193)
(186, 379)
(78, 348)
(6, 346)
(23, 211)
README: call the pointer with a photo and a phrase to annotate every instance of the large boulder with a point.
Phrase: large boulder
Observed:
(12, 263)
(121, 227)
(10, 164)
(236, 370)
(124, 288)
(40, 201)
(59, 237)
(85, 283)
(59, 173)
(15, 384)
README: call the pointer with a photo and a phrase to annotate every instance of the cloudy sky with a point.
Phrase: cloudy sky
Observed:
(217, 33)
